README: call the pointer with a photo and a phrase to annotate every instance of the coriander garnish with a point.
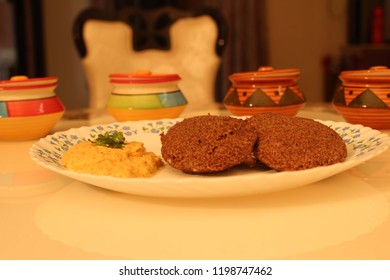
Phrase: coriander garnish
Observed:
(114, 139)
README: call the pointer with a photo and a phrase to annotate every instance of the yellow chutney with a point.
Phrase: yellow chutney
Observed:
(130, 161)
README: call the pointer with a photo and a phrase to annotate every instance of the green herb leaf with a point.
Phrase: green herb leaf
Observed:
(113, 139)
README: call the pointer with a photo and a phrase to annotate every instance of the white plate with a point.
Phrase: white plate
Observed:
(363, 143)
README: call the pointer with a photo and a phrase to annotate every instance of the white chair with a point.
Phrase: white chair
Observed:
(166, 40)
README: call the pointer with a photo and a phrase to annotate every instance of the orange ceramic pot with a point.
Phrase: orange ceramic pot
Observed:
(265, 90)
(364, 97)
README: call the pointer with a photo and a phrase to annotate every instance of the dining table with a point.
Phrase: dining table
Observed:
(45, 215)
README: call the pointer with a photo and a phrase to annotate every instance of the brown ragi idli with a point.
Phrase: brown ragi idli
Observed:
(205, 144)
(294, 143)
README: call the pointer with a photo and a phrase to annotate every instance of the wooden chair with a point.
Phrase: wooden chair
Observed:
(166, 40)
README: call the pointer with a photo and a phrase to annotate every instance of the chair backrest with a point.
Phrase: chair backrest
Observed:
(165, 40)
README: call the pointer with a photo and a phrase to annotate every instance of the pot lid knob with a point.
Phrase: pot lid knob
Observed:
(143, 72)
(378, 68)
(265, 69)
(18, 78)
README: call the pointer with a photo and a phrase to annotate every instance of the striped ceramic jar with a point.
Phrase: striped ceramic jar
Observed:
(29, 108)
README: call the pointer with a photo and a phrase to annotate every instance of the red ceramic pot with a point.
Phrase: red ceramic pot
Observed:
(29, 108)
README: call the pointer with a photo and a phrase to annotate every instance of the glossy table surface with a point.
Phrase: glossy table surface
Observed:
(44, 215)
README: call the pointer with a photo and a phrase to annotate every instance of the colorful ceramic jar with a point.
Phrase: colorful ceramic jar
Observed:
(29, 108)
(145, 96)
(265, 90)
(364, 97)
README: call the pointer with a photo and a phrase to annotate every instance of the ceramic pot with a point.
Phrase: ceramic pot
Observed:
(29, 108)
(145, 96)
(364, 97)
(265, 90)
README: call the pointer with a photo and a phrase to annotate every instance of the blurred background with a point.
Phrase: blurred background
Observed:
(321, 38)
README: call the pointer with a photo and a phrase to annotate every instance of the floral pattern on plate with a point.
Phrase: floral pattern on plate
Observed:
(352, 136)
